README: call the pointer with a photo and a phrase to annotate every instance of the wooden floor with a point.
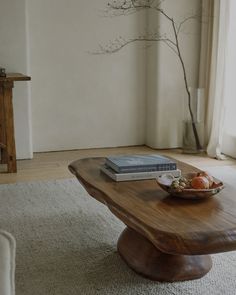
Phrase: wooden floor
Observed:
(53, 165)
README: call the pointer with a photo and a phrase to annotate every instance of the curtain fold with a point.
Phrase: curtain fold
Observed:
(212, 72)
(229, 136)
(206, 43)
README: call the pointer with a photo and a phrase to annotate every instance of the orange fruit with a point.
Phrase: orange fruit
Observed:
(208, 176)
(200, 182)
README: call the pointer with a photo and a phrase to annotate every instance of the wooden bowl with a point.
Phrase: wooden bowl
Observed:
(191, 193)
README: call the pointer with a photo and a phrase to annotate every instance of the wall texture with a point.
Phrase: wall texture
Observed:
(13, 56)
(80, 100)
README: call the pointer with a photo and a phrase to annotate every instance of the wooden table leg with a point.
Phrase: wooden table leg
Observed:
(9, 128)
(145, 259)
(3, 156)
(2, 127)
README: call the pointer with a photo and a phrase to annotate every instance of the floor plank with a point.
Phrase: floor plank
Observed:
(53, 165)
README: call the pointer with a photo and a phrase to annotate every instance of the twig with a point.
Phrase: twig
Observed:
(198, 144)
(120, 43)
(131, 6)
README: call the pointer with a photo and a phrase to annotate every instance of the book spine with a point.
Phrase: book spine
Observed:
(137, 169)
(143, 176)
(138, 175)
(112, 165)
(159, 167)
(142, 168)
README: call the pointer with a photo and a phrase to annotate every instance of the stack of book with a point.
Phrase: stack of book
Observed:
(137, 167)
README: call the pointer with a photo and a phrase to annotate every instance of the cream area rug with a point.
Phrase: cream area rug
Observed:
(66, 245)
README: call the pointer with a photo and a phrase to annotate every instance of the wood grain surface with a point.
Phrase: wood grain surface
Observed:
(145, 259)
(174, 226)
(7, 136)
(15, 77)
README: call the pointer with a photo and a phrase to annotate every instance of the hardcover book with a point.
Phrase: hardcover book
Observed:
(140, 163)
(136, 175)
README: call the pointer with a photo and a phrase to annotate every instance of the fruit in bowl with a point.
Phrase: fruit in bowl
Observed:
(192, 185)
(180, 184)
(207, 176)
(200, 182)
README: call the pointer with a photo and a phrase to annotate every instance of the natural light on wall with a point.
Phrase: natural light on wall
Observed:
(229, 138)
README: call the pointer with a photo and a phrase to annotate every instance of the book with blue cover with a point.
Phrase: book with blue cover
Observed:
(140, 163)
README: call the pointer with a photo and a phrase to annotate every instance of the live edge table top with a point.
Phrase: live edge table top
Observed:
(173, 225)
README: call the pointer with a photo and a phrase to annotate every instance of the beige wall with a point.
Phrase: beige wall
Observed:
(13, 56)
(81, 100)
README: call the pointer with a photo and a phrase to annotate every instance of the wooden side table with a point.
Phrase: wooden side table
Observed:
(7, 137)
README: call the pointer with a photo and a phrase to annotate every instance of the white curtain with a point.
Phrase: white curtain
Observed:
(229, 134)
(216, 78)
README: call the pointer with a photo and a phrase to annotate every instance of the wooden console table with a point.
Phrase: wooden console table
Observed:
(7, 137)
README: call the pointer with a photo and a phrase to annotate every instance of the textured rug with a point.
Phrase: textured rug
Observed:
(66, 245)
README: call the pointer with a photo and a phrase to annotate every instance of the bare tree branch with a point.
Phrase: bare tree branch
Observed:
(191, 17)
(124, 7)
(170, 46)
(120, 43)
(195, 132)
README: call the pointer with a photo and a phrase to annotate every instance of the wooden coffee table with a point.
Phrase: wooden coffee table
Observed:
(167, 238)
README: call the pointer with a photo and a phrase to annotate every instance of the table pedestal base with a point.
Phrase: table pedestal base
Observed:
(144, 258)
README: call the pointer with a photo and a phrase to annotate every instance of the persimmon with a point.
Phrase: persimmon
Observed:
(200, 182)
(208, 176)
